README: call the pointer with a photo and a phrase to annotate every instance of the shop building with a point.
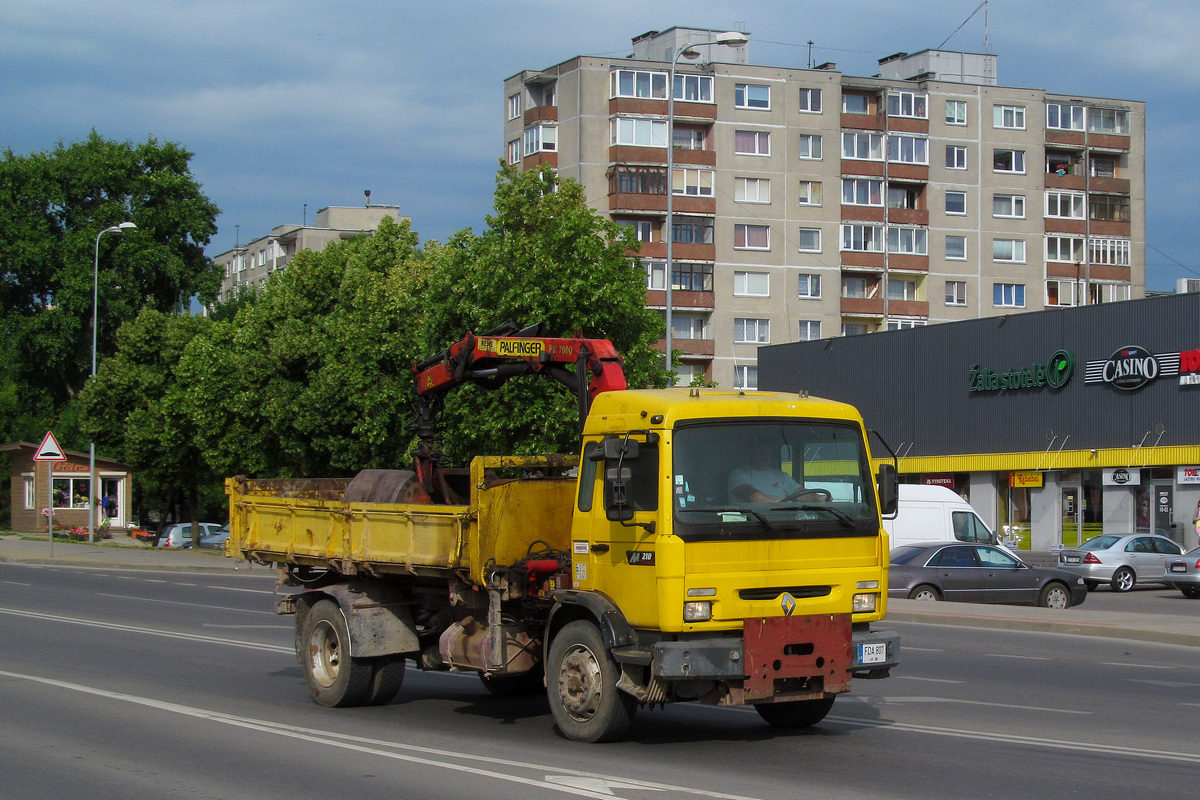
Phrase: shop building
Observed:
(63, 488)
(1055, 425)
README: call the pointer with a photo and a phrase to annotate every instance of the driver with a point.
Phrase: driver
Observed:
(761, 481)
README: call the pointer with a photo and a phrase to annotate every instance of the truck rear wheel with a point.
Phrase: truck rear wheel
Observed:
(582, 686)
(796, 714)
(387, 675)
(335, 679)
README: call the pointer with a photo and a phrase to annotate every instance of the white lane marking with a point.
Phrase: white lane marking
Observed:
(566, 781)
(927, 680)
(248, 627)
(1135, 666)
(113, 626)
(16, 583)
(904, 700)
(1025, 658)
(181, 603)
(236, 589)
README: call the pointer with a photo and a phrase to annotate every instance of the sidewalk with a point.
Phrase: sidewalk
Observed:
(126, 553)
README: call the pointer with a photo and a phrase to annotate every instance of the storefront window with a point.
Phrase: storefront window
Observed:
(1093, 504)
(1014, 517)
(71, 492)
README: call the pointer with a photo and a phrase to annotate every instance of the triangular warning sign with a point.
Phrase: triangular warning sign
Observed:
(49, 449)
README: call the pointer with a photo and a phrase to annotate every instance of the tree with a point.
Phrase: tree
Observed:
(52, 206)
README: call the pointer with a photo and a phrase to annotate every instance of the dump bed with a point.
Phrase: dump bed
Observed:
(308, 522)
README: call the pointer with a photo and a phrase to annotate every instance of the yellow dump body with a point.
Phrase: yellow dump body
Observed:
(306, 522)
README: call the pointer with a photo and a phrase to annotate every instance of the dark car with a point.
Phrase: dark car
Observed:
(978, 573)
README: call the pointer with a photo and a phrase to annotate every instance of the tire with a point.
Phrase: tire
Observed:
(796, 714)
(924, 592)
(525, 683)
(334, 678)
(1190, 591)
(1123, 580)
(1055, 595)
(387, 676)
(1091, 585)
(582, 686)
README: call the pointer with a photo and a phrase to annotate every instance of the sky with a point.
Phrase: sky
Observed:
(291, 105)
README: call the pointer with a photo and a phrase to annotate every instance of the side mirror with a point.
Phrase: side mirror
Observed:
(889, 491)
(616, 496)
(619, 449)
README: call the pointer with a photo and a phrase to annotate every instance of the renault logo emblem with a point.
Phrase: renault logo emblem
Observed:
(789, 604)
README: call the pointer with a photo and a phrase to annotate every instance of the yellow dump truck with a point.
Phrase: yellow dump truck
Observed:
(720, 547)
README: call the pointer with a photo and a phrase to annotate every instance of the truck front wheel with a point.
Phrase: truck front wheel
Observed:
(796, 714)
(582, 686)
(334, 678)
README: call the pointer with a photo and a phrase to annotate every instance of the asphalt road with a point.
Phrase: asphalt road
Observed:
(142, 684)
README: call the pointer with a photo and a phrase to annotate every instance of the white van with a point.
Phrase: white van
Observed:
(935, 514)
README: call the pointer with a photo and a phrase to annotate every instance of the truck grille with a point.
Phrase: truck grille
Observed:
(771, 592)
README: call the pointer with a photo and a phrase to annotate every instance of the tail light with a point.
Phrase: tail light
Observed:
(1198, 564)
(1091, 558)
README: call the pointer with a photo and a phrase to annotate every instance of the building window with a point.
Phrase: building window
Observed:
(956, 248)
(751, 331)
(1109, 292)
(1008, 117)
(691, 277)
(684, 326)
(810, 146)
(1009, 161)
(1008, 295)
(656, 275)
(956, 293)
(541, 139)
(1109, 251)
(809, 193)
(745, 377)
(862, 146)
(862, 192)
(693, 182)
(689, 138)
(691, 230)
(750, 95)
(904, 324)
(853, 103)
(907, 104)
(639, 132)
(694, 88)
(1064, 205)
(863, 238)
(751, 284)
(810, 287)
(1063, 117)
(639, 83)
(1060, 293)
(1010, 250)
(856, 288)
(751, 237)
(808, 240)
(956, 112)
(810, 101)
(1102, 167)
(913, 241)
(71, 492)
(626, 179)
(854, 328)
(752, 190)
(514, 105)
(1008, 205)
(956, 202)
(908, 149)
(1109, 208)
(1108, 120)
(956, 156)
(752, 143)
(643, 229)
(30, 492)
(902, 290)
(514, 151)
(1064, 248)
(810, 330)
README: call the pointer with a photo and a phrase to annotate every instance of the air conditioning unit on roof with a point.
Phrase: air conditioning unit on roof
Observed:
(1184, 285)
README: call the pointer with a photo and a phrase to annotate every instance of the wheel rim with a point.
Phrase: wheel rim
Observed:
(580, 683)
(925, 594)
(324, 654)
(1056, 598)
(1125, 581)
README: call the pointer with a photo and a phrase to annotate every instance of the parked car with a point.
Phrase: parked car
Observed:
(217, 539)
(179, 534)
(978, 573)
(1121, 560)
(1184, 573)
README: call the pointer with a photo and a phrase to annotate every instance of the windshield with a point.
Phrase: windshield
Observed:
(772, 479)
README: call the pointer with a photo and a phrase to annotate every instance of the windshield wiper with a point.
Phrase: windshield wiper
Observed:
(737, 510)
(842, 517)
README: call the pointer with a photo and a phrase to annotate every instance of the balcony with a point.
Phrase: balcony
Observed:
(538, 159)
(863, 122)
(862, 307)
(629, 154)
(541, 114)
(680, 299)
(908, 308)
(1076, 227)
(684, 111)
(688, 348)
(908, 216)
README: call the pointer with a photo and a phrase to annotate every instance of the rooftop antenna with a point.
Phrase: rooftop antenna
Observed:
(367, 192)
(304, 217)
(810, 63)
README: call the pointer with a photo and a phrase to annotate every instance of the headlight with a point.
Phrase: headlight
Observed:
(864, 602)
(697, 611)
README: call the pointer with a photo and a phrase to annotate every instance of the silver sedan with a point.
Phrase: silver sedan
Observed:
(1120, 560)
(1183, 573)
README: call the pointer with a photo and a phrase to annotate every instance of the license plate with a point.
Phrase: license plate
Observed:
(1179, 568)
(872, 653)
(1072, 559)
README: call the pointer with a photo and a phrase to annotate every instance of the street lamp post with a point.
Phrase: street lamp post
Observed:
(124, 226)
(730, 39)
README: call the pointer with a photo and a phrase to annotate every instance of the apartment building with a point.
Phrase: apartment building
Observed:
(809, 204)
(252, 263)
